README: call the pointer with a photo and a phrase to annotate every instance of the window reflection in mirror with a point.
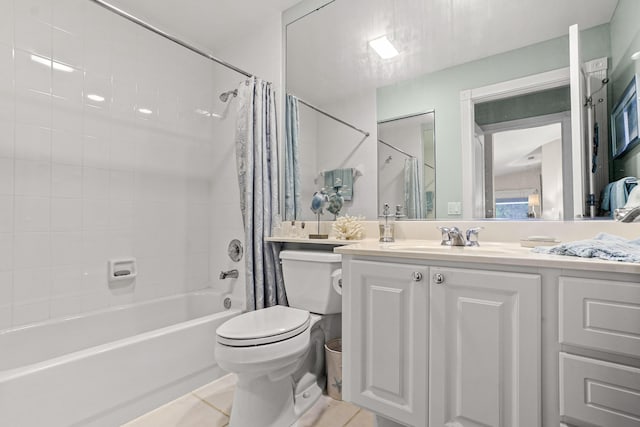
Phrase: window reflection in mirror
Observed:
(406, 164)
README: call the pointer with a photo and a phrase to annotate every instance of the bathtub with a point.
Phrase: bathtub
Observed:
(110, 366)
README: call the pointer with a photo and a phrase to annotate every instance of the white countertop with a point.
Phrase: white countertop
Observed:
(488, 253)
(307, 240)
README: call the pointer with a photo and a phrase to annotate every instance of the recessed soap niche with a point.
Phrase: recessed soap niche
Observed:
(122, 269)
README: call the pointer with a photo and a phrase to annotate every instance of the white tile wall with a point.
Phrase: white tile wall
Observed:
(85, 179)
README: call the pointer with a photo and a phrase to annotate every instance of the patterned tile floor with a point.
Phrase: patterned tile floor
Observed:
(210, 406)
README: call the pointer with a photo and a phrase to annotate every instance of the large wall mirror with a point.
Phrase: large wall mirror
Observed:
(495, 79)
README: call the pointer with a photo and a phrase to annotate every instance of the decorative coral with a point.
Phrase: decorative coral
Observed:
(349, 227)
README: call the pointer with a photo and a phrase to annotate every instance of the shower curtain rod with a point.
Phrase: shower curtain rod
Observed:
(168, 36)
(396, 148)
(313, 107)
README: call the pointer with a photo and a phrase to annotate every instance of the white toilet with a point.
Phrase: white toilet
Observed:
(278, 352)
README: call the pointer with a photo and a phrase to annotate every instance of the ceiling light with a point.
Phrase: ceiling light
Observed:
(94, 97)
(635, 56)
(383, 47)
(145, 111)
(52, 64)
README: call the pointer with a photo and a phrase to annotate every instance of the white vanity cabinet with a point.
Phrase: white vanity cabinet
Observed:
(385, 333)
(436, 346)
(484, 348)
(601, 316)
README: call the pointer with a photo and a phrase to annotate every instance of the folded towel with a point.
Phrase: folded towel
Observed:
(615, 194)
(603, 246)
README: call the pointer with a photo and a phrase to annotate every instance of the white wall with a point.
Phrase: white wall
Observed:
(342, 147)
(526, 180)
(82, 181)
(552, 195)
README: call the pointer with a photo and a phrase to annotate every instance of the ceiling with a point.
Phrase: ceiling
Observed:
(210, 24)
(519, 150)
(328, 54)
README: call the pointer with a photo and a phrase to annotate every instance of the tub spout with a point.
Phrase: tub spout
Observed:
(231, 274)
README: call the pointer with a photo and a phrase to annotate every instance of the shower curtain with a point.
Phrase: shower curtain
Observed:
(292, 166)
(257, 164)
(413, 199)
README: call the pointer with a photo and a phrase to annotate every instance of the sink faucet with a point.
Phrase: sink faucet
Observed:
(627, 214)
(452, 236)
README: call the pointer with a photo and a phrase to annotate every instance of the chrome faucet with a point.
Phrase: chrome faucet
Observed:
(233, 274)
(452, 236)
(626, 214)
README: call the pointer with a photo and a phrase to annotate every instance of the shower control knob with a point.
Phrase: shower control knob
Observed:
(438, 278)
(416, 276)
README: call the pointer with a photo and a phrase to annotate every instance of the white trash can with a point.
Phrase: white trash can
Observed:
(333, 357)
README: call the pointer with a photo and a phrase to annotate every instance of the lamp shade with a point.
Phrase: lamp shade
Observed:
(534, 199)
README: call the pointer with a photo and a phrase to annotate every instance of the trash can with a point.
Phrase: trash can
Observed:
(333, 357)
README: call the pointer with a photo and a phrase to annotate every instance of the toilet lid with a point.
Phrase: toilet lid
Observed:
(264, 326)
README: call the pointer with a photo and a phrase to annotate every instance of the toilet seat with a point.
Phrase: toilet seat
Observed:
(265, 326)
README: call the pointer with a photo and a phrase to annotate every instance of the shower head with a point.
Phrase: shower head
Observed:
(224, 96)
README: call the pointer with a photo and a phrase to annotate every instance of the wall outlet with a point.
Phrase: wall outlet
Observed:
(454, 208)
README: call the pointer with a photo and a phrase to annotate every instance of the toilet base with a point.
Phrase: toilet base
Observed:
(262, 402)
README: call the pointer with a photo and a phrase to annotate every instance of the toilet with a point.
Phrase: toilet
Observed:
(277, 353)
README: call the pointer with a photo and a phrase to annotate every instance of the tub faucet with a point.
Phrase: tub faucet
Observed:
(626, 214)
(232, 274)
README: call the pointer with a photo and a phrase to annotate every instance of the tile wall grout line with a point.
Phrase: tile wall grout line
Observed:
(352, 417)
(209, 404)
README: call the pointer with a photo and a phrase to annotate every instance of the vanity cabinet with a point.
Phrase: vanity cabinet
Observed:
(484, 348)
(385, 333)
(601, 316)
(442, 346)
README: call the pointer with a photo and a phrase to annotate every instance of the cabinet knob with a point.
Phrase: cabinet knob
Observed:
(438, 278)
(416, 276)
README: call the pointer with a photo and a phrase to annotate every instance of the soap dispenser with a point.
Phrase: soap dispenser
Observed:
(387, 225)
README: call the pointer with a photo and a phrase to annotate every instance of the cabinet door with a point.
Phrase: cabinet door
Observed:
(484, 357)
(385, 345)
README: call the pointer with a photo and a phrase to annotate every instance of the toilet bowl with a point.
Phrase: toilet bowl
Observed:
(277, 353)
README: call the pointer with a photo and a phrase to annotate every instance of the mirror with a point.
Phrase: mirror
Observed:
(445, 50)
(406, 165)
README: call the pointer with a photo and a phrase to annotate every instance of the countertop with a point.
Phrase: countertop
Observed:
(488, 253)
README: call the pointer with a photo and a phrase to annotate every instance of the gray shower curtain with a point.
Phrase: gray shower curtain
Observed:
(257, 164)
(413, 190)
(292, 165)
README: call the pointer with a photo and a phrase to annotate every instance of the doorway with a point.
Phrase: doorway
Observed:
(522, 167)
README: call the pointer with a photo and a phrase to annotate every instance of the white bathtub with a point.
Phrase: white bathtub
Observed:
(109, 366)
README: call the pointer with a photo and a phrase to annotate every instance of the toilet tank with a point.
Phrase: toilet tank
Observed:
(309, 278)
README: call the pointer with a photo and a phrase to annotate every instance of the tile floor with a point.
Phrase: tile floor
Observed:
(210, 406)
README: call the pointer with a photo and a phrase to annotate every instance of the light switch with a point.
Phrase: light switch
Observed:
(454, 208)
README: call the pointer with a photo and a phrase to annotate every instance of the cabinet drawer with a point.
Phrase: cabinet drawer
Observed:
(599, 314)
(599, 393)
